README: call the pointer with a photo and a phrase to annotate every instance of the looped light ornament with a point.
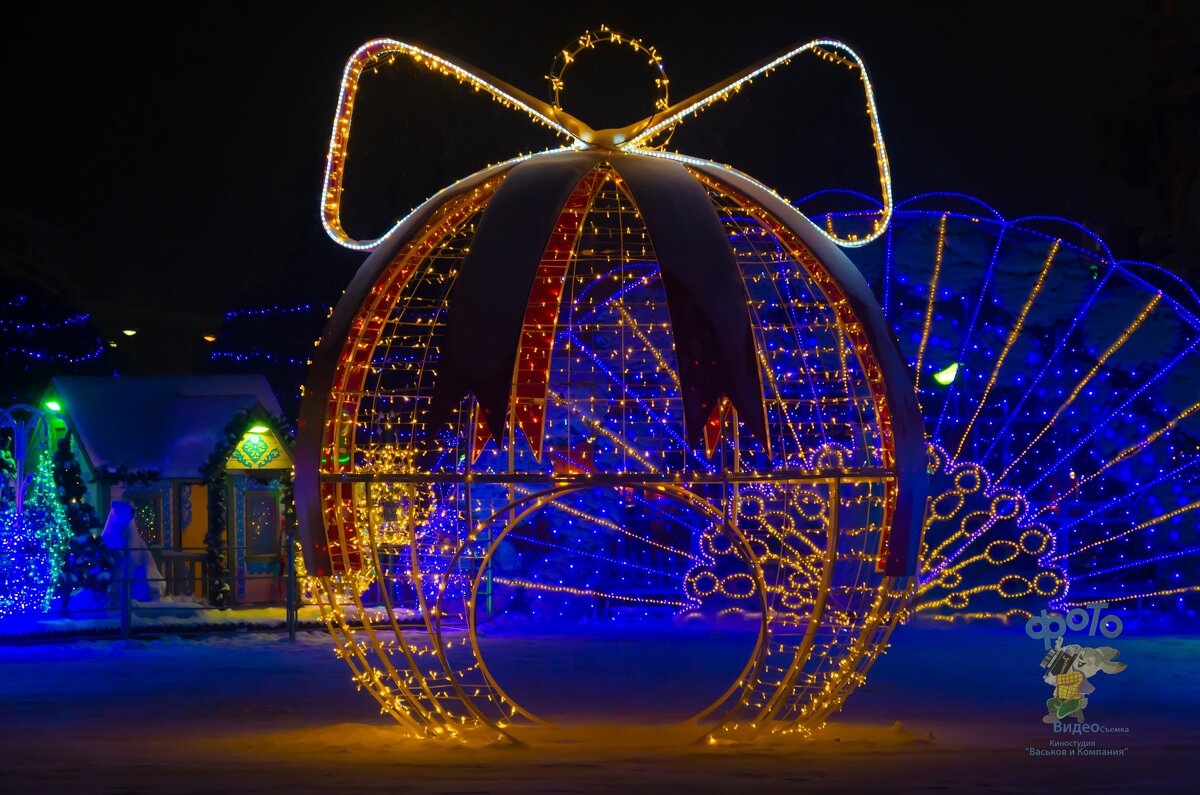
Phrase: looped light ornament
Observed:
(567, 56)
(605, 382)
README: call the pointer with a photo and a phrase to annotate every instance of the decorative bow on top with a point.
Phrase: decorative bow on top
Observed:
(644, 136)
(531, 224)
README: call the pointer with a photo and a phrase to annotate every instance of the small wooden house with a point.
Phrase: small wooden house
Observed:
(161, 444)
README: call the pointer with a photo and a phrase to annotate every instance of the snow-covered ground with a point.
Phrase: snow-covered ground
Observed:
(87, 618)
(952, 707)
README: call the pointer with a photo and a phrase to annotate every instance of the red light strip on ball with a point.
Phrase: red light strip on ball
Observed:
(345, 396)
(531, 378)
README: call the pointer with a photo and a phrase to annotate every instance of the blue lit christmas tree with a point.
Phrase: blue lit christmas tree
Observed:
(34, 530)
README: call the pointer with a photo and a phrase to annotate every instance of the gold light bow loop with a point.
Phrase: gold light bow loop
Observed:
(637, 137)
(384, 51)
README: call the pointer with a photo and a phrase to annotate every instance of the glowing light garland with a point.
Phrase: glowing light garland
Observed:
(44, 325)
(54, 356)
(722, 91)
(1096, 508)
(18, 337)
(587, 41)
(444, 525)
(1105, 460)
(1013, 334)
(272, 311)
(613, 386)
(951, 371)
(1148, 595)
(1121, 340)
(636, 137)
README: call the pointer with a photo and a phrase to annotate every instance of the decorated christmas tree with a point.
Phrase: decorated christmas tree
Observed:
(33, 524)
(87, 563)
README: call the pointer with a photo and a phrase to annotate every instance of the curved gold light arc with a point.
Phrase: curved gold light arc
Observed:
(385, 50)
(528, 504)
(680, 111)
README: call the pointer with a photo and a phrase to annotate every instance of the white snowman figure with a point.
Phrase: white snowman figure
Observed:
(122, 537)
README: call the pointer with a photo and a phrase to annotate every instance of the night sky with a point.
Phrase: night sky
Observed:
(165, 161)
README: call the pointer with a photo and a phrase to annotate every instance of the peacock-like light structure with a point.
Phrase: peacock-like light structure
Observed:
(1065, 382)
(738, 445)
(1126, 534)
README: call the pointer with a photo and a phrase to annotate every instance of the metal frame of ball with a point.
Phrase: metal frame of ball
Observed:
(324, 501)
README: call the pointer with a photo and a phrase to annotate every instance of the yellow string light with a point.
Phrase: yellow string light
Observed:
(933, 288)
(1013, 334)
(810, 555)
(1147, 595)
(1120, 340)
(1135, 529)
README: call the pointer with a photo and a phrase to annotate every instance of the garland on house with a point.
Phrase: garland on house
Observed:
(214, 539)
(287, 498)
(213, 471)
(88, 562)
(287, 502)
(8, 472)
(130, 477)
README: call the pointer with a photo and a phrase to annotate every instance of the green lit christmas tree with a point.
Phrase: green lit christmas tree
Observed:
(34, 530)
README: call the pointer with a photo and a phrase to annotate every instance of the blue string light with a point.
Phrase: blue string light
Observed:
(968, 328)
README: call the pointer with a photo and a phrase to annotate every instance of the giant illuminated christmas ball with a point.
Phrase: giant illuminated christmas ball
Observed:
(597, 385)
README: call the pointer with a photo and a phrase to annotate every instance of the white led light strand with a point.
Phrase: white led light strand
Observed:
(731, 86)
(634, 138)
(372, 53)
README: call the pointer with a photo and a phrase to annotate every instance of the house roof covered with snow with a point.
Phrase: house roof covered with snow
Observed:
(170, 425)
